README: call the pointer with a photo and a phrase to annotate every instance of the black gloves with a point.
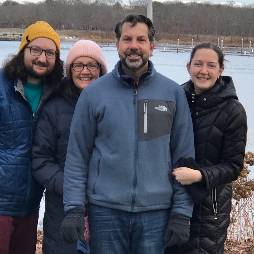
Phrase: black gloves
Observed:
(197, 191)
(73, 225)
(82, 247)
(178, 229)
(189, 163)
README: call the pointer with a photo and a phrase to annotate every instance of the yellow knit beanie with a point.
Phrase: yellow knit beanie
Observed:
(40, 29)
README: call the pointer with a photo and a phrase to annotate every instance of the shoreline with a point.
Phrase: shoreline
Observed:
(16, 34)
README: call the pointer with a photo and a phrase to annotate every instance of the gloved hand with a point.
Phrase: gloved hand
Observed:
(189, 163)
(197, 191)
(178, 229)
(73, 225)
(82, 247)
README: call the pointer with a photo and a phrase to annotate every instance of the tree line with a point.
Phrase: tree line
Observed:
(170, 18)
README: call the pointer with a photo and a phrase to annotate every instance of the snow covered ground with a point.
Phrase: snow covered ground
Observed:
(41, 214)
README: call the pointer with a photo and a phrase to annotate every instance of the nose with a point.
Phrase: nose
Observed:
(42, 57)
(134, 44)
(204, 69)
(85, 70)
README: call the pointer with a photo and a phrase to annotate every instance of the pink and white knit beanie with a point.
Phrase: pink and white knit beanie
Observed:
(85, 48)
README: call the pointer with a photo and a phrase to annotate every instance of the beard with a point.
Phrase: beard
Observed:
(134, 64)
(32, 73)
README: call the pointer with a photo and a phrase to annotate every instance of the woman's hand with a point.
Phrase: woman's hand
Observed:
(186, 175)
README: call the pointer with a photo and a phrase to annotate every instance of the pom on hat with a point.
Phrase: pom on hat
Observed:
(40, 29)
(85, 48)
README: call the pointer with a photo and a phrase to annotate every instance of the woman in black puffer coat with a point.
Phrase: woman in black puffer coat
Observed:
(85, 63)
(220, 128)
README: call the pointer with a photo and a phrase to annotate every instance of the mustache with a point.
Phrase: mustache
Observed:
(39, 63)
(133, 52)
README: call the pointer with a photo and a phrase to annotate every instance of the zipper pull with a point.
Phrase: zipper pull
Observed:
(135, 94)
(145, 117)
(193, 97)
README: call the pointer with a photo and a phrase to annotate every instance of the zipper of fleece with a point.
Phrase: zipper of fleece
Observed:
(145, 116)
(135, 166)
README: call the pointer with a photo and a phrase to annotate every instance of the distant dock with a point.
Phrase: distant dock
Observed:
(236, 51)
(11, 36)
(163, 47)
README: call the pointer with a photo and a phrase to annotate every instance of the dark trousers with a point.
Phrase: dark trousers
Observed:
(18, 234)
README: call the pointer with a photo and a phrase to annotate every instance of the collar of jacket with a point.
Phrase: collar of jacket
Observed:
(223, 89)
(129, 79)
(46, 91)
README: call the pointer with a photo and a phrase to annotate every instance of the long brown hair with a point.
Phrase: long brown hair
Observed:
(14, 68)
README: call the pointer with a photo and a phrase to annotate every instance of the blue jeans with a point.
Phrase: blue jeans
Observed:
(119, 232)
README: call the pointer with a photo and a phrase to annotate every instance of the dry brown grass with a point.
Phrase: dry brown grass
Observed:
(241, 229)
(39, 242)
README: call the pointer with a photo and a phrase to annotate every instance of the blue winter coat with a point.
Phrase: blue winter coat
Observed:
(124, 142)
(20, 194)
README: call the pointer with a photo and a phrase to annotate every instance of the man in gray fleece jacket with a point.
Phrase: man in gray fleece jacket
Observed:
(129, 129)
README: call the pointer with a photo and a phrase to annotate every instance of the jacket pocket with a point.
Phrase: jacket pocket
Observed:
(155, 118)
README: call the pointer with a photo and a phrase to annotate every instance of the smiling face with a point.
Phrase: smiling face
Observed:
(83, 78)
(134, 48)
(204, 69)
(38, 67)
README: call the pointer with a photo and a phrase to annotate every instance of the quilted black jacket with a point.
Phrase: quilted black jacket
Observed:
(220, 129)
(48, 158)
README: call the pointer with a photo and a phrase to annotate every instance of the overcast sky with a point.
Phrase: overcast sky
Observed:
(238, 2)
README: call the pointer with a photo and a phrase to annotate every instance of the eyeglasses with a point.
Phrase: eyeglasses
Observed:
(90, 66)
(37, 51)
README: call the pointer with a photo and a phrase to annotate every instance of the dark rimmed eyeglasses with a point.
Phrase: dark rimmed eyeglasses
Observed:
(90, 66)
(37, 51)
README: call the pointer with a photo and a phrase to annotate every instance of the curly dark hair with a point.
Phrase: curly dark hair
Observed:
(134, 19)
(14, 68)
(68, 87)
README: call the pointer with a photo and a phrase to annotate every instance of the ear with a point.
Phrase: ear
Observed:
(117, 45)
(221, 70)
(152, 46)
(188, 67)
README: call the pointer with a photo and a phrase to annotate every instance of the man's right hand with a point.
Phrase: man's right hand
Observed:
(73, 225)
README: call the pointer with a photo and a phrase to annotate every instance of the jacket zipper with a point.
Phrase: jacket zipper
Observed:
(215, 205)
(145, 117)
(136, 148)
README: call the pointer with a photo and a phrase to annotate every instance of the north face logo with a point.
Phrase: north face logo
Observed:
(161, 108)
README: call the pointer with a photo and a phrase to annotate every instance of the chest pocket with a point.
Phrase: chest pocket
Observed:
(155, 118)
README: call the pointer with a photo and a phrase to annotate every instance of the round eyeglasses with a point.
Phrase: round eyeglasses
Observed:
(90, 66)
(37, 51)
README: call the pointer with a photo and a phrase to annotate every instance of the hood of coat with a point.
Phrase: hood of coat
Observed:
(223, 90)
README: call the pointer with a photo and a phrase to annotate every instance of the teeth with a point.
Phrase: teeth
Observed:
(85, 78)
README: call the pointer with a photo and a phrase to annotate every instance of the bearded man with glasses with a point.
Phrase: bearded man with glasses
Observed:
(27, 80)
